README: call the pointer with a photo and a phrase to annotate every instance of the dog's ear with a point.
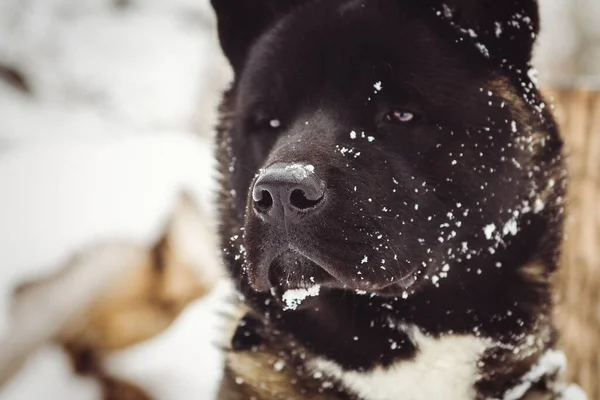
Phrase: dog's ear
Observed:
(504, 30)
(240, 23)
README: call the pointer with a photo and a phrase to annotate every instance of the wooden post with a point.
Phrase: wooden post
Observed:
(578, 283)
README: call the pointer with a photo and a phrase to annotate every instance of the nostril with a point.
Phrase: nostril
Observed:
(285, 192)
(299, 200)
(264, 202)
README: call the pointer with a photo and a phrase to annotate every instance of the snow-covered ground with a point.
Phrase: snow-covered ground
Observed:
(117, 122)
(182, 363)
(99, 69)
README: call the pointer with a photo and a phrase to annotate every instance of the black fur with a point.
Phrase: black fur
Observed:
(409, 205)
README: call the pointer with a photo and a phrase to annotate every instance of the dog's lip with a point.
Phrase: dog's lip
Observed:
(318, 263)
(327, 278)
(278, 291)
(405, 282)
(408, 279)
(324, 276)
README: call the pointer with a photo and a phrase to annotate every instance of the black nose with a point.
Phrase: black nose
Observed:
(287, 192)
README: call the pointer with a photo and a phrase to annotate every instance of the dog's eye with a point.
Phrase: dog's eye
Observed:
(399, 116)
(262, 121)
(274, 123)
(268, 124)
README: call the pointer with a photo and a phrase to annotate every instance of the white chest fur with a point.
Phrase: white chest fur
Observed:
(444, 368)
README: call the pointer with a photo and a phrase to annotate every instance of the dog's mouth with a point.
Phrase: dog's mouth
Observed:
(296, 278)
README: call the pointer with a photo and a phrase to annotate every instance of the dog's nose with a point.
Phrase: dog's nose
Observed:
(287, 192)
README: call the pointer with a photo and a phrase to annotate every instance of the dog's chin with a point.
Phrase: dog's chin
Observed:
(293, 271)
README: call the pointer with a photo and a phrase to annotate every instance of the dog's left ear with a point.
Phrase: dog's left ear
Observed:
(241, 22)
(504, 30)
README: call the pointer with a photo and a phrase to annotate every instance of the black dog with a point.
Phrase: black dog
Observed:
(392, 200)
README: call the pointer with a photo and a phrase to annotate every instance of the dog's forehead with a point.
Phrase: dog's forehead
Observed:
(303, 36)
(323, 32)
(326, 46)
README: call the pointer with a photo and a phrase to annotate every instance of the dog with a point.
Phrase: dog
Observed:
(391, 203)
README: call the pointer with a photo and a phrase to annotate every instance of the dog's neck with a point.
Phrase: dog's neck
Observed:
(361, 331)
(363, 340)
(443, 367)
(403, 358)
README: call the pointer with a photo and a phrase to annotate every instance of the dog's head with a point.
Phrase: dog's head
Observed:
(374, 145)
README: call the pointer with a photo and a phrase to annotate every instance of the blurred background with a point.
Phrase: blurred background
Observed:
(107, 110)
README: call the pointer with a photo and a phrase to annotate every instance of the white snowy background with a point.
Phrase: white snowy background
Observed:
(119, 119)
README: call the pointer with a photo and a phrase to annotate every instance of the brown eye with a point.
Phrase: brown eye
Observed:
(262, 121)
(274, 123)
(399, 116)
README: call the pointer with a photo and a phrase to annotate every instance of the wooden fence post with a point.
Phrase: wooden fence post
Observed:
(578, 283)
